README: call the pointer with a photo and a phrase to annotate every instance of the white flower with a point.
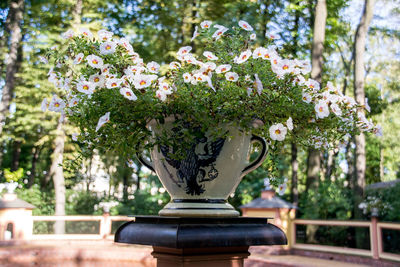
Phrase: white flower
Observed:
(259, 52)
(322, 110)
(200, 77)
(289, 124)
(125, 43)
(218, 33)
(86, 32)
(209, 82)
(78, 58)
(113, 83)
(107, 48)
(73, 102)
(160, 94)
(95, 61)
(253, 36)
(187, 77)
(56, 104)
(97, 79)
(336, 110)
(223, 68)
(105, 35)
(210, 55)
(103, 120)
(232, 76)
(165, 87)
(134, 70)
(85, 87)
(378, 131)
(209, 66)
(183, 51)
(68, 34)
(153, 67)
(174, 65)
(127, 93)
(245, 26)
(282, 189)
(247, 78)
(75, 137)
(306, 97)
(277, 132)
(367, 107)
(44, 104)
(195, 33)
(244, 56)
(283, 67)
(189, 58)
(271, 55)
(205, 24)
(259, 85)
(143, 81)
(312, 84)
(45, 61)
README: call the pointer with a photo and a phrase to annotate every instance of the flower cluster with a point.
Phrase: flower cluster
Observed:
(111, 93)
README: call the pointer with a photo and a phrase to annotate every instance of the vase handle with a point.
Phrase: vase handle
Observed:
(260, 159)
(145, 162)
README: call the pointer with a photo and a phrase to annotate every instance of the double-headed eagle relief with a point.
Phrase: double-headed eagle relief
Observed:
(191, 170)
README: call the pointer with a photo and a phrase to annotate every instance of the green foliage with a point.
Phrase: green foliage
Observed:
(332, 200)
(386, 200)
(14, 176)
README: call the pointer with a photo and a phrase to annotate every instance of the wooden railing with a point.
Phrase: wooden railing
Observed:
(105, 228)
(375, 232)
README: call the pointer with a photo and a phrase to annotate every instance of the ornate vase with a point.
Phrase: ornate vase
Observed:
(200, 183)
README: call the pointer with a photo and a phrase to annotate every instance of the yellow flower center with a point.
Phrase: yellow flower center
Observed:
(142, 82)
(57, 105)
(96, 79)
(321, 109)
(277, 131)
(85, 87)
(285, 67)
(108, 47)
(223, 69)
(231, 78)
(94, 61)
(128, 93)
(113, 84)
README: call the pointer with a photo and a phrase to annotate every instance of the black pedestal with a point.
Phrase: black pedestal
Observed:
(200, 241)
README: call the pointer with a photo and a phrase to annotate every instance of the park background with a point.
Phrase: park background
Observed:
(37, 151)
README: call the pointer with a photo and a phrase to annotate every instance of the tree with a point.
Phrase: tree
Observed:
(14, 20)
(359, 93)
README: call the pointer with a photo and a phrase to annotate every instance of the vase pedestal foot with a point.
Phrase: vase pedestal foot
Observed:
(199, 209)
(200, 241)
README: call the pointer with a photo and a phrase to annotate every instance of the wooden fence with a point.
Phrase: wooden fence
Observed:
(375, 232)
(105, 229)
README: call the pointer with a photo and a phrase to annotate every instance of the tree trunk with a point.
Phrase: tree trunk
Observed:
(77, 13)
(35, 157)
(359, 93)
(16, 16)
(314, 159)
(330, 163)
(16, 155)
(56, 172)
(295, 169)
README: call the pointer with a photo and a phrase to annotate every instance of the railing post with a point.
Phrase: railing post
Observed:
(374, 236)
(105, 225)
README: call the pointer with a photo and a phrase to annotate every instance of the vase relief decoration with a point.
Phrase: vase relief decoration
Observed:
(201, 182)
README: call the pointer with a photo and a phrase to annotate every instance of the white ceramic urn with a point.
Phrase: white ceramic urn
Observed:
(200, 183)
